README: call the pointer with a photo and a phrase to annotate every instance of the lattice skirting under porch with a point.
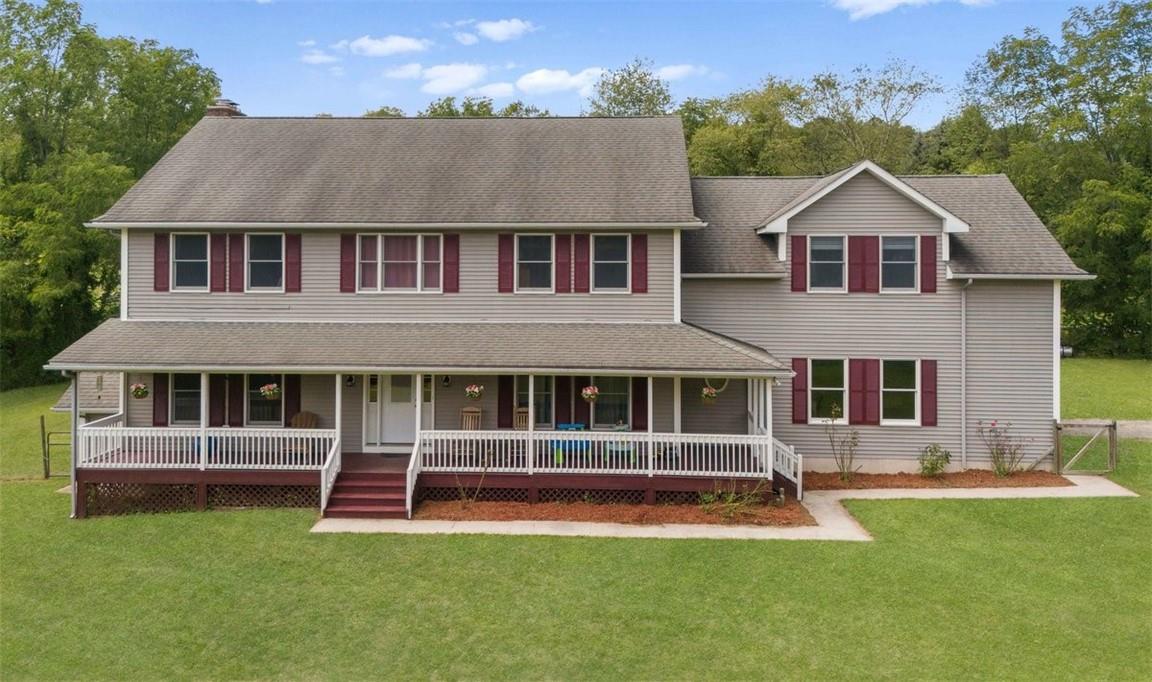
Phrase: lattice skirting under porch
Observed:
(483, 495)
(113, 499)
(443, 494)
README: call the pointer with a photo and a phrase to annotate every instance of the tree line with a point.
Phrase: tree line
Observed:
(1068, 120)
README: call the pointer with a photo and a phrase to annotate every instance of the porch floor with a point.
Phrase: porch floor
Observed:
(371, 462)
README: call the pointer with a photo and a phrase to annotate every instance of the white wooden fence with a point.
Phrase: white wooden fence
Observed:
(329, 472)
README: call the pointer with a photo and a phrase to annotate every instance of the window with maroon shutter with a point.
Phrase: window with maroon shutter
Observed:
(928, 264)
(582, 259)
(348, 264)
(159, 400)
(898, 263)
(236, 262)
(292, 264)
(928, 393)
(639, 403)
(291, 396)
(863, 264)
(563, 263)
(235, 400)
(871, 392)
(898, 391)
(506, 269)
(563, 400)
(451, 263)
(864, 391)
(800, 391)
(581, 410)
(161, 265)
(217, 399)
(505, 400)
(219, 251)
(639, 263)
(799, 247)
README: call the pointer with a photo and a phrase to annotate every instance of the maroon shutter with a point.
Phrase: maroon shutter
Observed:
(236, 400)
(581, 411)
(505, 400)
(506, 270)
(871, 264)
(856, 264)
(581, 257)
(928, 264)
(219, 275)
(639, 403)
(928, 393)
(451, 263)
(857, 393)
(160, 262)
(799, 247)
(236, 263)
(291, 396)
(348, 263)
(563, 263)
(217, 399)
(563, 398)
(871, 392)
(292, 263)
(160, 400)
(639, 263)
(800, 391)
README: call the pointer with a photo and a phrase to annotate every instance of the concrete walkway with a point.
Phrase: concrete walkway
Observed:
(832, 519)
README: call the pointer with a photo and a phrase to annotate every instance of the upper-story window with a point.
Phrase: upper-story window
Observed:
(399, 262)
(190, 262)
(610, 262)
(534, 262)
(265, 262)
(898, 263)
(826, 264)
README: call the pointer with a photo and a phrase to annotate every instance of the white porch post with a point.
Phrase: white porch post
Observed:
(766, 407)
(676, 405)
(530, 450)
(77, 446)
(339, 407)
(419, 405)
(651, 440)
(203, 421)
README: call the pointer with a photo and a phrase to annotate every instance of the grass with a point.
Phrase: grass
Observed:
(20, 411)
(1092, 388)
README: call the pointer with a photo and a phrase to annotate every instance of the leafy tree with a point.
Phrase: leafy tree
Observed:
(480, 107)
(385, 112)
(632, 90)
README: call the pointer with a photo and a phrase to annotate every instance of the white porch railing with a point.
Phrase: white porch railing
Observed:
(789, 464)
(329, 472)
(410, 477)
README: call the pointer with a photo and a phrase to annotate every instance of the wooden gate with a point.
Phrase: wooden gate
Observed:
(1096, 429)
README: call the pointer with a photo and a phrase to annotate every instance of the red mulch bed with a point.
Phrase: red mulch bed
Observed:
(791, 513)
(972, 478)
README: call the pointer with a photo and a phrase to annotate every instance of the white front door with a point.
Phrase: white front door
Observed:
(389, 412)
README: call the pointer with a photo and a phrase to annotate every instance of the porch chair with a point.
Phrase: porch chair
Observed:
(470, 418)
(520, 422)
(303, 420)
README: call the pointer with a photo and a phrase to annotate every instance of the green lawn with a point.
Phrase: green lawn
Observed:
(20, 411)
(1093, 388)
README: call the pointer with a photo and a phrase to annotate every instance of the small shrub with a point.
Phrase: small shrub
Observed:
(1005, 449)
(843, 444)
(732, 502)
(933, 460)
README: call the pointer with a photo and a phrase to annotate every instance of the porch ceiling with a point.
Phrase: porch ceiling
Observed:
(491, 347)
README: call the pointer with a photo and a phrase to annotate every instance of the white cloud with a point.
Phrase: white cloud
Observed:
(495, 90)
(367, 46)
(407, 71)
(318, 57)
(465, 38)
(675, 72)
(445, 79)
(542, 81)
(336, 71)
(504, 29)
(862, 9)
(306, 43)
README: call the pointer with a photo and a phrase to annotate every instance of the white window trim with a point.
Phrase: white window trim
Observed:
(172, 401)
(518, 378)
(248, 288)
(207, 262)
(551, 263)
(248, 400)
(419, 288)
(592, 407)
(627, 288)
(914, 391)
(915, 266)
(843, 268)
(812, 418)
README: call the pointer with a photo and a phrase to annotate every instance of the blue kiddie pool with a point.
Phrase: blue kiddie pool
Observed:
(563, 447)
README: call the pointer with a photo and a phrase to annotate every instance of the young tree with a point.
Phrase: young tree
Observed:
(632, 90)
(385, 112)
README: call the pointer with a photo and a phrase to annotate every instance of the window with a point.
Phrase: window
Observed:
(612, 408)
(898, 264)
(826, 390)
(185, 398)
(266, 262)
(190, 262)
(898, 391)
(398, 262)
(826, 264)
(610, 262)
(534, 262)
(543, 394)
(261, 410)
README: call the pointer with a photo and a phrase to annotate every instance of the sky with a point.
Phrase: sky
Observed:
(294, 58)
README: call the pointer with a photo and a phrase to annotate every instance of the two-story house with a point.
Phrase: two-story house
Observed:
(366, 311)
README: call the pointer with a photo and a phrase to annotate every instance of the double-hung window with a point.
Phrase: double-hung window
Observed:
(610, 262)
(262, 411)
(543, 395)
(265, 262)
(185, 398)
(898, 388)
(190, 262)
(827, 390)
(898, 264)
(612, 408)
(398, 262)
(826, 263)
(534, 262)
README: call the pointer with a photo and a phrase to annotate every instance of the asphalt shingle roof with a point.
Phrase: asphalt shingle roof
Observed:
(99, 392)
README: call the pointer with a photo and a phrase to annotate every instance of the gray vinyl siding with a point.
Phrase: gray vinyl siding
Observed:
(729, 414)
(139, 412)
(320, 297)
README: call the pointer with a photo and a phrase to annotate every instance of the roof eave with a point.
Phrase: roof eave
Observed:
(694, 224)
(1045, 276)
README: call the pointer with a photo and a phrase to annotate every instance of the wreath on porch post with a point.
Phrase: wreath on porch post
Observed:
(139, 391)
(709, 393)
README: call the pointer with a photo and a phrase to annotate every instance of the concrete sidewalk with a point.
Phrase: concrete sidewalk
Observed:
(833, 522)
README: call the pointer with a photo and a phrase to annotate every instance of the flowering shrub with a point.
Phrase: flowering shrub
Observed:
(139, 391)
(708, 394)
(933, 460)
(1005, 449)
(270, 391)
(590, 394)
(474, 391)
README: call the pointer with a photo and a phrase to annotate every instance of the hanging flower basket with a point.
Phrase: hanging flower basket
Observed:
(270, 391)
(474, 391)
(708, 395)
(139, 391)
(590, 394)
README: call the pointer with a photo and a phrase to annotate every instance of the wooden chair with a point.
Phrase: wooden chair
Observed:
(303, 420)
(470, 418)
(520, 421)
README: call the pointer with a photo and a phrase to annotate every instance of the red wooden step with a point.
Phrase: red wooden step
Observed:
(360, 512)
(384, 497)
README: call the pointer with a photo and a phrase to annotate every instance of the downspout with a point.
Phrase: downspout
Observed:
(964, 375)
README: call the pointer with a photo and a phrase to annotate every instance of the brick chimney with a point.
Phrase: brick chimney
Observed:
(223, 107)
